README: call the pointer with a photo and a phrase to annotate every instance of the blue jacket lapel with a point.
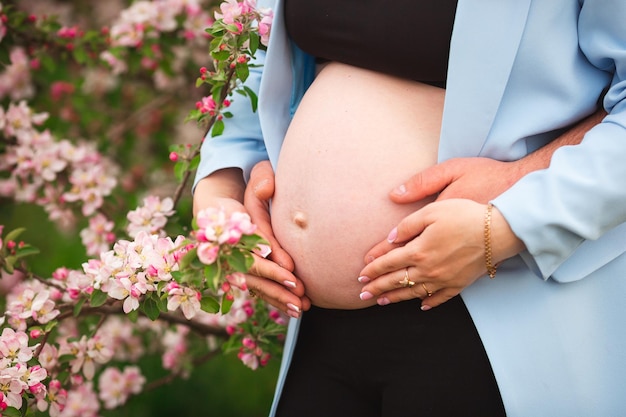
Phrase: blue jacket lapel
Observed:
(474, 90)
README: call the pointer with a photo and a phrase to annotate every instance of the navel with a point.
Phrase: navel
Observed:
(299, 218)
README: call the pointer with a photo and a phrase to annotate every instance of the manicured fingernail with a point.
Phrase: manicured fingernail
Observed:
(263, 250)
(392, 235)
(363, 279)
(293, 314)
(293, 307)
(399, 190)
(425, 307)
(383, 301)
(369, 259)
(366, 295)
(290, 284)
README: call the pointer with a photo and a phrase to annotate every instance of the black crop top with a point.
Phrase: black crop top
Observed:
(406, 38)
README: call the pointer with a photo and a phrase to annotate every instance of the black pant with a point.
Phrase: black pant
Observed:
(391, 361)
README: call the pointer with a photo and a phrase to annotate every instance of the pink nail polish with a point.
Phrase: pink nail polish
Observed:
(366, 295)
(383, 301)
(289, 284)
(293, 314)
(293, 307)
(363, 279)
(263, 250)
(425, 307)
(392, 235)
(399, 190)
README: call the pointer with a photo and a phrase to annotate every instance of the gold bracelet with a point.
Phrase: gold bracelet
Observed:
(491, 268)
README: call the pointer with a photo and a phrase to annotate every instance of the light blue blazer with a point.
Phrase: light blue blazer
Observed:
(553, 322)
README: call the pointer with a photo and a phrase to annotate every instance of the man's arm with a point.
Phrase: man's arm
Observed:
(461, 177)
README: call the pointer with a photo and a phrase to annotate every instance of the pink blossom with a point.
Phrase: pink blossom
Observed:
(57, 396)
(11, 386)
(81, 401)
(129, 291)
(206, 105)
(231, 10)
(48, 357)
(187, 299)
(98, 237)
(16, 81)
(151, 217)
(265, 25)
(249, 359)
(208, 252)
(116, 387)
(118, 66)
(68, 32)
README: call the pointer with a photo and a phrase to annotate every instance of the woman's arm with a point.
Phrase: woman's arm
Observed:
(226, 162)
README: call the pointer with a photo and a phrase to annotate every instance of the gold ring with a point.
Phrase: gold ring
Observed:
(406, 282)
(428, 293)
(253, 294)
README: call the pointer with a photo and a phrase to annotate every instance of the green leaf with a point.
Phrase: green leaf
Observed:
(14, 234)
(193, 115)
(227, 303)
(11, 412)
(218, 128)
(212, 275)
(180, 168)
(150, 308)
(26, 250)
(80, 55)
(220, 55)
(133, 316)
(254, 42)
(189, 256)
(254, 100)
(193, 164)
(209, 304)
(9, 261)
(79, 306)
(161, 303)
(242, 71)
(240, 261)
(98, 298)
(50, 325)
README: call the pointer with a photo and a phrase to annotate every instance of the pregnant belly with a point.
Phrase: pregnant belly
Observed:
(355, 136)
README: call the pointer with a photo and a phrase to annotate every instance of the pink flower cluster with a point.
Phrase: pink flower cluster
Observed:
(16, 376)
(51, 173)
(148, 18)
(134, 268)
(151, 217)
(237, 13)
(215, 228)
(16, 81)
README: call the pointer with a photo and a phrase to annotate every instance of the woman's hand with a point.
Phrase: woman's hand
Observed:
(441, 252)
(269, 278)
(275, 284)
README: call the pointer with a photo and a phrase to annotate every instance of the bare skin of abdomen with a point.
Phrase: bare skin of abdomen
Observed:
(355, 136)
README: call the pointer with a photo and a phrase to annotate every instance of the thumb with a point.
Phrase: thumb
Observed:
(262, 180)
(430, 181)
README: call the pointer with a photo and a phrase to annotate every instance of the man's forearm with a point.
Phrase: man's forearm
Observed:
(540, 158)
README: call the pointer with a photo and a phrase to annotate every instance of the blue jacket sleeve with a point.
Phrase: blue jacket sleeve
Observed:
(582, 195)
(241, 144)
